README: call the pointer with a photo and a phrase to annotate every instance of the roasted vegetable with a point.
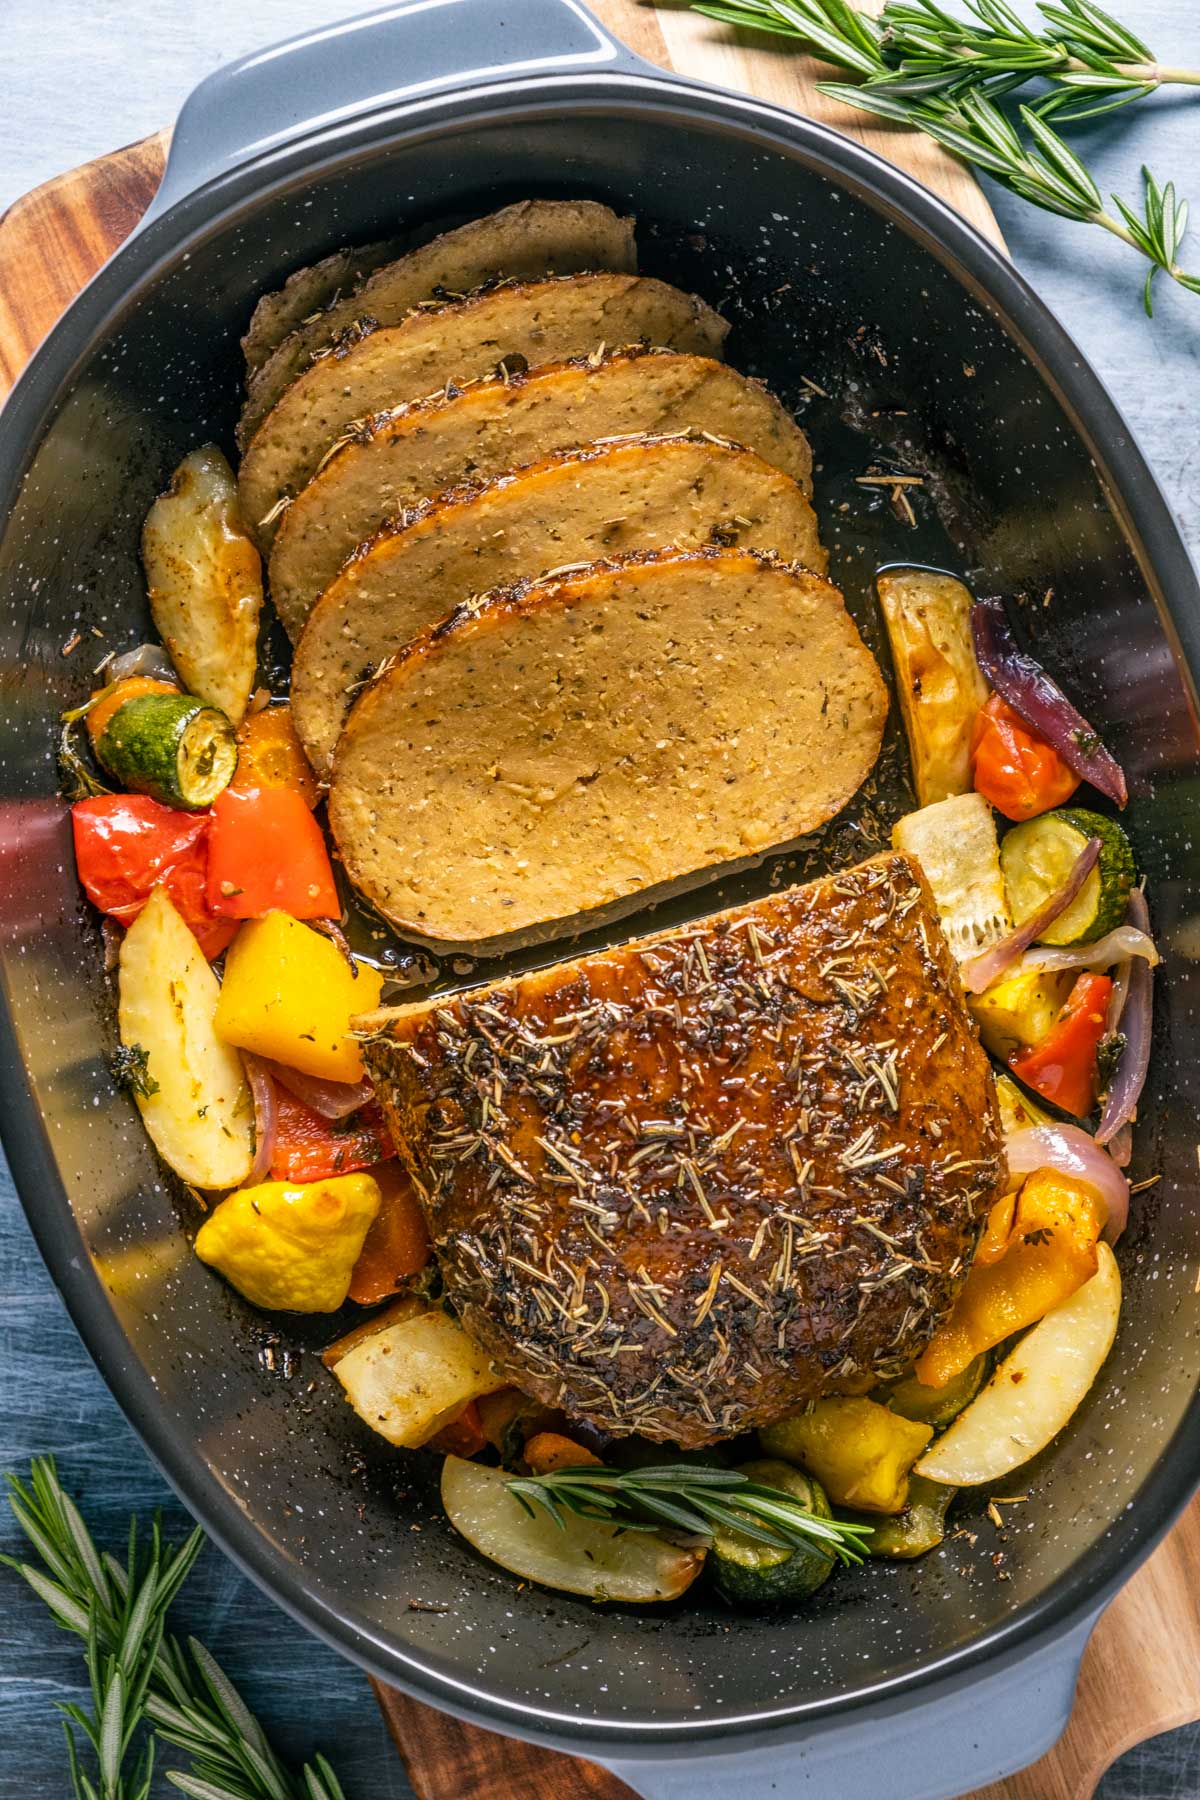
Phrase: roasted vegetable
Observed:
(508, 1418)
(938, 681)
(1019, 1011)
(171, 746)
(127, 844)
(918, 1529)
(955, 844)
(546, 1451)
(582, 1556)
(936, 1406)
(752, 1574)
(397, 1245)
(290, 994)
(1035, 1390)
(268, 853)
(859, 1451)
(460, 1436)
(1037, 858)
(1017, 1111)
(205, 582)
(110, 699)
(199, 1114)
(1039, 1246)
(270, 755)
(310, 1148)
(1062, 1066)
(1014, 769)
(291, 1248)
(411, 1377)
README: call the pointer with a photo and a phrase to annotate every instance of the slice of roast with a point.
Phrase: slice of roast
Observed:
(495, 425)
(570, 744)
(530, 240)
(639, 494)
(518, 322)
(685, 1186)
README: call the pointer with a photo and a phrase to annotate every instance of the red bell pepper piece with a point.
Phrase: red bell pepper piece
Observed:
(310, 1148)
(1016, 771)
(397, 1245)
(267, 854)
(1062, 1068)
(128, 844)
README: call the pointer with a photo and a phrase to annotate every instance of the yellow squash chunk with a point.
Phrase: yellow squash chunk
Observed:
(406, 1381)
(1020, 1011)
(289, 994)
(582, 1556)
(291, 1248)
(196, 1105)
(1017, 1110)
(937, 677)
(1035, 1390)
(859, 1451)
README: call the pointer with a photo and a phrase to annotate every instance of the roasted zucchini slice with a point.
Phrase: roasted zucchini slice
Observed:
(919, 1528)
(172, 747)
(1037, 857)
(751, 1574)
(937, 1406)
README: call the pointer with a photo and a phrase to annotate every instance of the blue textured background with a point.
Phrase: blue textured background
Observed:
(80, 77)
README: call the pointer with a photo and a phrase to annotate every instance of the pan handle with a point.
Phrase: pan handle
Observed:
(326, 78)
(958, 1739)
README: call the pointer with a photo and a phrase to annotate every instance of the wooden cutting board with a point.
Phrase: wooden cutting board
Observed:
(1141, 1673)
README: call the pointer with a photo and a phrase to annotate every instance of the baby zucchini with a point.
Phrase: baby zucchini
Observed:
(1037, 857)
(170, 746)
(751, 1574)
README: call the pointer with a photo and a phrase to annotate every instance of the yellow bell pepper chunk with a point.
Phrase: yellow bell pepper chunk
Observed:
(291, 1248)
(290, 994)
(859, 1451)
(1038, 1246)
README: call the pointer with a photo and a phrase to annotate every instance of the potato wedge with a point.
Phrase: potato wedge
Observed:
(199, 1114)
(205, 582)
(938, 680)
(408, 1379)
(955, 843)
(583, 1557)
(1035, 1390)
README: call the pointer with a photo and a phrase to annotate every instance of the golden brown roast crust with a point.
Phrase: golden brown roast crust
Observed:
(682, 1187)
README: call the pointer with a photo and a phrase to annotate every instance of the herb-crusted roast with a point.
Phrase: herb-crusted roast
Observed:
(530, 240)
(522, 322)
(682, 1187)
(494, 425)
(639, 494)
(570, 743)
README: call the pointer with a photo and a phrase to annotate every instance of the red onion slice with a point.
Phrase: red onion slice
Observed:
(331, 1099)
(266, 1117)
(1137, 1021)
(1116, 947)
(1040, 701)
(980, 971)
(1070, 1149)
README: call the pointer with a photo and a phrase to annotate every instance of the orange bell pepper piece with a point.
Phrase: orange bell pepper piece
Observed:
(270, 755)
(1062, 1068)
(397, 1242)
(1035, 1251)
(1016, 771)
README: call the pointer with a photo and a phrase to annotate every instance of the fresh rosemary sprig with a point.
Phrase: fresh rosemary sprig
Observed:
(690, 1498)
(924, 67)
(138, 1675)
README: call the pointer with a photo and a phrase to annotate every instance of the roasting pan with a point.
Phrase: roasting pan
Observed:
(905, 341)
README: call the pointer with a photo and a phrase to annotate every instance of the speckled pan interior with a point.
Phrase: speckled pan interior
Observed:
(893, 356)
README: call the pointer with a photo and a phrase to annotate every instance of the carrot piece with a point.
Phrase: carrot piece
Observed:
(461, 1435)
(116, 696)
(550, 1450)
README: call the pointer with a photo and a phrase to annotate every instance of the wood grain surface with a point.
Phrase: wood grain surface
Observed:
(1141, 1673)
